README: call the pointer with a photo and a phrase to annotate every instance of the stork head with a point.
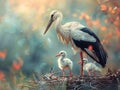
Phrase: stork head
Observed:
(54, 15)
(61, 53)
(85, 61)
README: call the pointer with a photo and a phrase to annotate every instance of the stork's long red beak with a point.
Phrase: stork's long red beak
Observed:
(58, 55)
(48, 26)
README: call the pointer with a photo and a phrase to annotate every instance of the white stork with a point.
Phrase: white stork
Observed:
(64, 63)
(79, 36)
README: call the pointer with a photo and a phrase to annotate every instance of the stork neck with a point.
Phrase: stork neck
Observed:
(84, 63)
(61, 58)
(58, 23)
(60, 28)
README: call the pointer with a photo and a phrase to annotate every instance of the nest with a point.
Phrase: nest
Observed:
(51, 81)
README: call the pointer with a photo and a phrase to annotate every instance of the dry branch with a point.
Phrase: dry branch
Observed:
(51, 81)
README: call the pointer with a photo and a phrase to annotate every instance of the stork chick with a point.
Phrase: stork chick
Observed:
(90, 67)
(64, 63)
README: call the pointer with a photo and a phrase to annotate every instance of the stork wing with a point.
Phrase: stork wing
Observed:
(81, 34)
(98, 54)
(85, 37)
(91, 54)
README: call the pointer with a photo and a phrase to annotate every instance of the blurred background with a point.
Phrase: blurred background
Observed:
(23, 47)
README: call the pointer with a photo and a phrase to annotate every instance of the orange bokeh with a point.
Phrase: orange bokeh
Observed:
(116, 23)
(103, 7)
(118, 10)
(109, 35)
(103, 28)
(118, 32)
(3, 54)
(105, 41)
(2, 75)
(17, 64)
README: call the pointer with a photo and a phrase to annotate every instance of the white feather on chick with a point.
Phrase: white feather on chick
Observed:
(90, 67)
(64, 63)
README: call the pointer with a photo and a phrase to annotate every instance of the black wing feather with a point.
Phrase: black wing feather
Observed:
(90, 32)
(100, 54)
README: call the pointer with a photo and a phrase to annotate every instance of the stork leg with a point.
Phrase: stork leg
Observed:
(89, 72)
(94, 73)
(71, 73)
(81, 60)
(63, 72)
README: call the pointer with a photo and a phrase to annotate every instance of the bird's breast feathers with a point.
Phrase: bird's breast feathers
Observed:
(91, 66)
(65, 61)
(63, 37)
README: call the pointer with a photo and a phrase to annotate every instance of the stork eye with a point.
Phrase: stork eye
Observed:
(61, 53)
(52, 16)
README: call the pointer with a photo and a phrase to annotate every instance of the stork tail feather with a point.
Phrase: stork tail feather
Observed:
(91, 55)
(100, 55)
(103, 54)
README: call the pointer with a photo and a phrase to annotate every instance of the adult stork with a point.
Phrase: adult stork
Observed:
(80, 37)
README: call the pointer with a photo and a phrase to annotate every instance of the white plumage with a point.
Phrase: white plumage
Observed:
(64, 63)
(90, 67)
(79, 36)
(68, 31)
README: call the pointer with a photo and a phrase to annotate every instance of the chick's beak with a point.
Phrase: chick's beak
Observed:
(58, 55)
(48, 26)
